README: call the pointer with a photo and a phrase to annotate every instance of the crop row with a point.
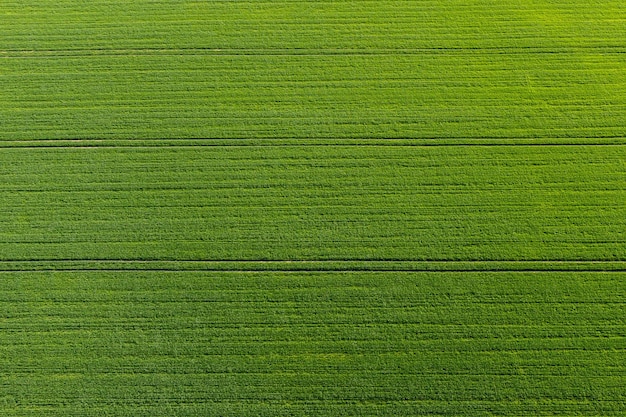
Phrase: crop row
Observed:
(281, 203)
(214, 343)
(288, 24)
(566, 95)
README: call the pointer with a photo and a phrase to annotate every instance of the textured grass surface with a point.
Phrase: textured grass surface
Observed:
(323, 69)
(312, 208)
(315, 202)
(366, 343)
(459, 94)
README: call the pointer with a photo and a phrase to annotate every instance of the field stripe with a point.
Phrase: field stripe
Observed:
(335, 202)
(307, 142)
(565, 96)
(224, 342)
(356, 266)
(42, 53)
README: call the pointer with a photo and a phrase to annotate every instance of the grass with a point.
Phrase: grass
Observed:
(279, 69)
(319, 202)
(312, 208)
(367, 343)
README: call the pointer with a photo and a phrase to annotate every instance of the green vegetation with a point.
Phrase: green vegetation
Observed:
(278, 344)
(313, 69)
(314, 202)
(312, 208)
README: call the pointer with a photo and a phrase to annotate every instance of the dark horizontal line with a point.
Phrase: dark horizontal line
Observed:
(309, 145)
(309, 261)
(229, 51)
(373, 373)
(312, 266)
(433, 139)
(613, 141)
(318, 271)
(432, 302)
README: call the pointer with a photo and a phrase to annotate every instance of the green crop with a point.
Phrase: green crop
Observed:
(314, 69)
(314, 202)
(257, 343)
(312, 208)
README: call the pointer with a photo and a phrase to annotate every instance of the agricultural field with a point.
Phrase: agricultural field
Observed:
(312, 208)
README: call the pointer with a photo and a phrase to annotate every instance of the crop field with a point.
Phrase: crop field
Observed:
(312, 208)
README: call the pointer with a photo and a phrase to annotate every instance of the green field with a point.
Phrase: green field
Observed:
(312, 208)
